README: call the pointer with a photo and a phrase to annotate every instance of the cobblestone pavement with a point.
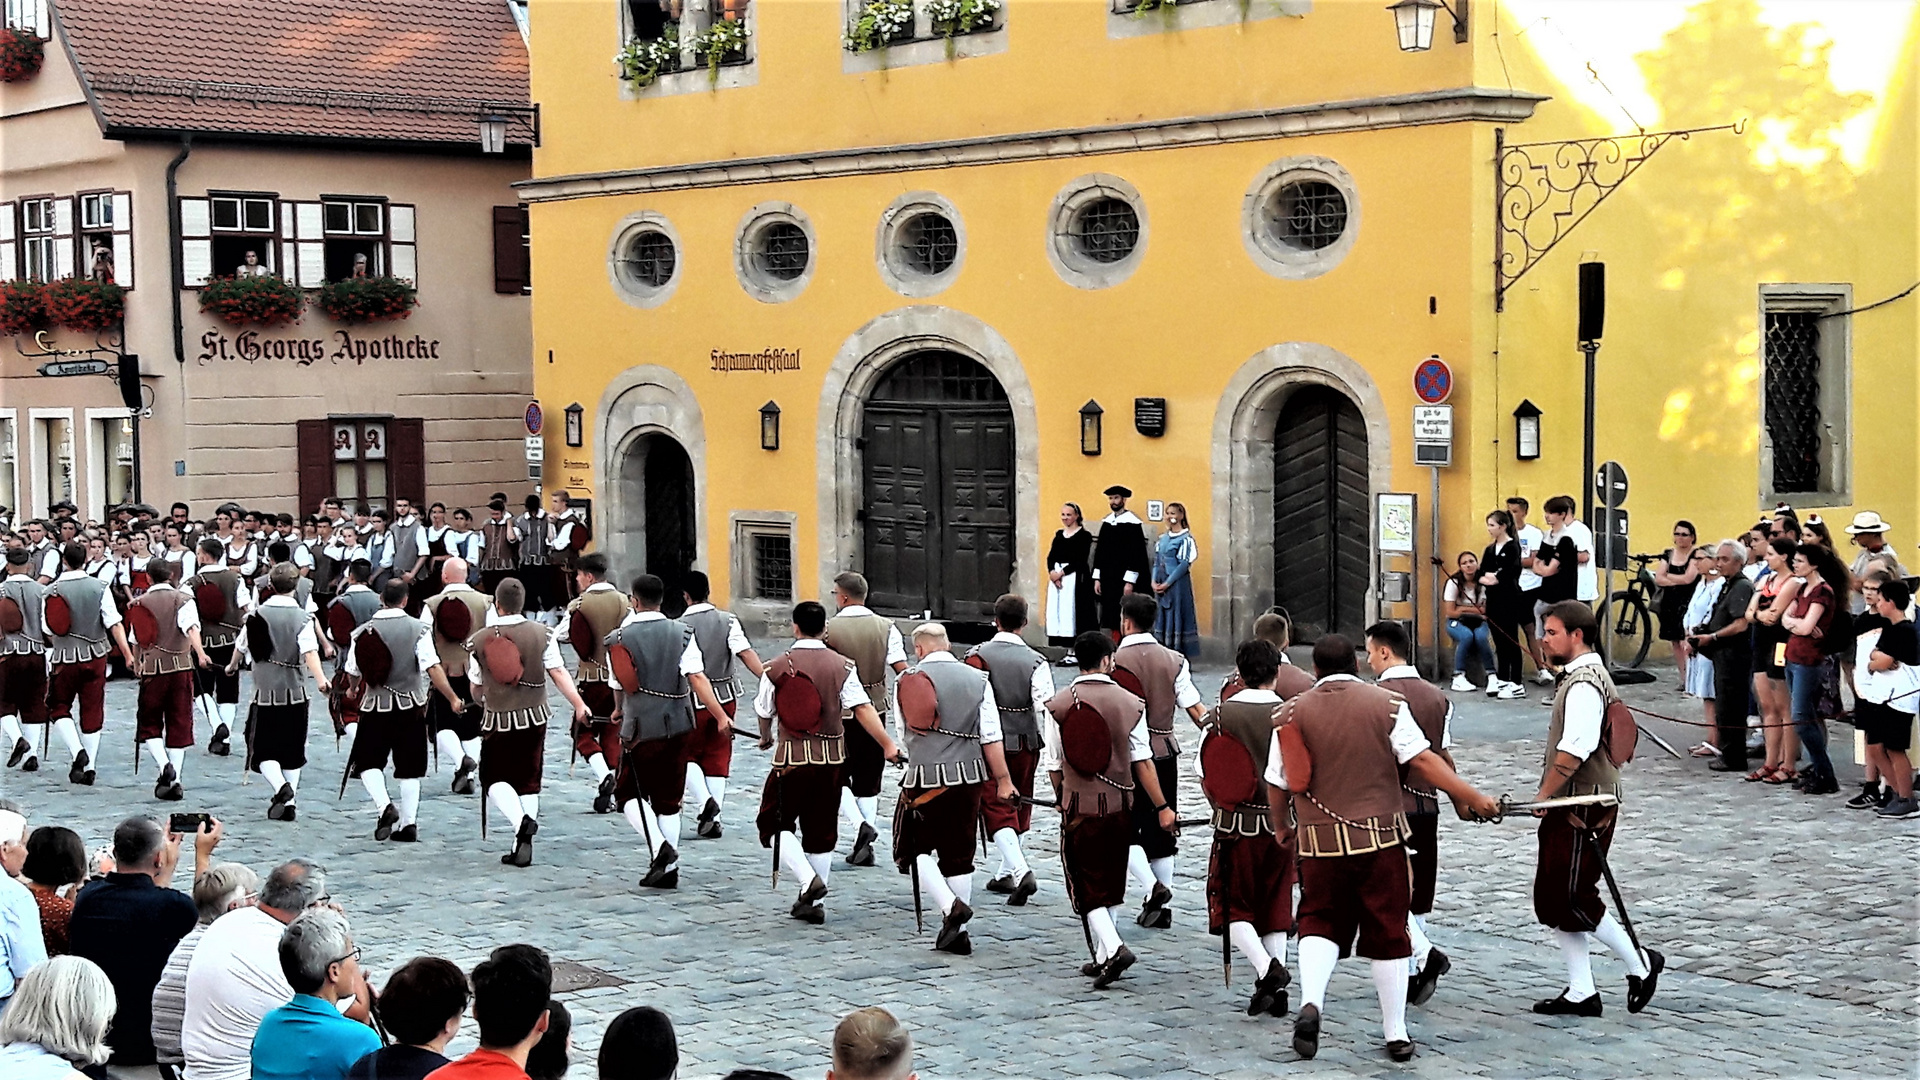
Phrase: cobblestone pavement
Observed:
(1788, 923)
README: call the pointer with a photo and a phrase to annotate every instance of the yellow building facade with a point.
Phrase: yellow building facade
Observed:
(824, 309)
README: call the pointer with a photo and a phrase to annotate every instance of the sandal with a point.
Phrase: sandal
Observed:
(1759, 774)
(1780, 775)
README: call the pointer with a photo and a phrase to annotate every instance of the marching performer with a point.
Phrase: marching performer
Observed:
(23, 659)
(394, 656)
(348, 612)
(499, 545)
(1574, 841)
(280, 641)
(591, 617)
(873, 643)
(1338, 749)
(223, 600)
(536, 572)
(1161, 676)
(1276, 629)
(656, 674)
(81, 619)
(513, 660)
(1388, 649)
(166, 628)
(1099, 761)
(801, 704)
(453, 613)
(951, 727)
(1022, 685)
(710, 747)
(1250, 875)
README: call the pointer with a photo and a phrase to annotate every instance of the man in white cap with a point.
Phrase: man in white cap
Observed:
(1870, 536)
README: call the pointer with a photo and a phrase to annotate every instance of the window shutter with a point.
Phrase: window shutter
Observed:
(196, 244)
(310, 257)
(63, 240)
(123, 239)
(9, 247)
(509, 249)
(314, 440)
(407, 459)
(405, 261)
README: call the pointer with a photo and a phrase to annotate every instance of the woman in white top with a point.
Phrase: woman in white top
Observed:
(1697, 680)
(1465, 604)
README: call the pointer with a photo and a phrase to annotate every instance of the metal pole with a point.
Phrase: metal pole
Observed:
(1586, 455)
(1433, 573)
(137, 495)
(1606, 594)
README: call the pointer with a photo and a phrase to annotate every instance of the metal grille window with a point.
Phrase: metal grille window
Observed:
(1105, 230)
(1308, 215)
(650, 259)
(929, 244)
(1793, 399)
(939, 377)
(780, 251)
(772, 566)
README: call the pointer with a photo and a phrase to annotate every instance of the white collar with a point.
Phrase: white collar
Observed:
(1336, 678)
(853, 609)
(643, 616)
(168, 585)
(69, 575)
(507, 620)
(809, 643)
(600, 586)
(940, 656)
(1398, 671)
(389, 612)
(1591, 659)
(695, 609)
(1284, 660)
(408, 520)
(1122, 517)
(353, 587)
(458, 586)
(1094, 676)
(1135, 639)
(1255, 695)
(280, 600)
(1012, 637)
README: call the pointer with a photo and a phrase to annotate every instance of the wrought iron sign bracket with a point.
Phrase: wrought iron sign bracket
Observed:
(107, 349)
(1544, 190)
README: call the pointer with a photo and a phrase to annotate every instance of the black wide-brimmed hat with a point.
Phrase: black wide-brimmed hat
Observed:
(1121, 490)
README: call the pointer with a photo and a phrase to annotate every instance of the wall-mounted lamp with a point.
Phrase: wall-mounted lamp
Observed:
(1090, 428)
(1526, 431)
(493, 131)
(1413, 20)
(770, 426)
(576, 424)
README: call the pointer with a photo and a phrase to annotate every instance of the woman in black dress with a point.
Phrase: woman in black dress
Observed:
(1677, 578)
(1071, 607)
(1500, 574)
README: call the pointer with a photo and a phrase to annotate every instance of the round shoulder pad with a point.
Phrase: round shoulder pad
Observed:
(918, 702)
(1084, 739)
(143, 622)
(1229, 775)
(59, 616)
(797, 700)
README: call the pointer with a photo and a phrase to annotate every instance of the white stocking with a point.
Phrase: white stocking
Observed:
(869, 808)
(375, 782)
(156, 750)
(716, 790)
(10, 724)
(1573, 947)
(208, 708)
(471, 748)
(353, 730)
(507, 801)
(530, 804)
(849, 807)
(1106, 937)
(1317, 957)
(449, 745)
(640, 816)
(597, 763)
(669, 828)
(697, 786)
(1421, 946)
(1013, 861)
(1276, 946)
(1614, 936)
(177, 757)
(1248, 942)
(1139, 870)
(293, 778)
(270, 770)
(409, 801)
(226, 715)
(962, 887)
(794, 861)
(1390, 982)
(1162, 870)
(91, 744)
(822, 864)
(69, 734)
(933, 887)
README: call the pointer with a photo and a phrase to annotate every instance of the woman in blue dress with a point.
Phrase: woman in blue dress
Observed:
(1176, 628)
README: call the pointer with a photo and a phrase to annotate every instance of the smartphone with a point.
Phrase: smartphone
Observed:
(187, 824)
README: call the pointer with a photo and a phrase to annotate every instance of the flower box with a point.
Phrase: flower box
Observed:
(21, 55)
(368, 299)
(261, 300)
(23, 309)
(643, 62)
(84, 304)
(880, 23)
(951, 18)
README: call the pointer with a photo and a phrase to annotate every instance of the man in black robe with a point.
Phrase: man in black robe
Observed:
(1120, 560)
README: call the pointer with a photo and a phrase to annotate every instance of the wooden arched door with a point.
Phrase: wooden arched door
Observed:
(1321, 513)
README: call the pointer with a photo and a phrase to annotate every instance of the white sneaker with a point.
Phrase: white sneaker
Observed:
(1512, 692)
(1461, 684)
(1543, 677)
(1494, 685)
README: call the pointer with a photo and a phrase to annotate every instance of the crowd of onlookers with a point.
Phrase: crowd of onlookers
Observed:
(103, 963)
(1776, 632)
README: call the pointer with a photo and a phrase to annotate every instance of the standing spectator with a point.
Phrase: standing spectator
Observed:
(1755, 541)
(869, 1044)
(1070, 601)
(1500, 575)
(307, 1038)
(548, 1058)
(1678, 577)
(1530, 538)
(1869, 534)
(1724, 641)
(512, 989)
(221, 889)
(1176, 626)
(129, 922)
(1696, 672)
(1886, 711)
(56, 860)
(22, 945)
(1580, 565)
(1466, 614)
(57, 1022)
(1809, 621)
(421, 1008)
(1773, 594)
(639, 1045)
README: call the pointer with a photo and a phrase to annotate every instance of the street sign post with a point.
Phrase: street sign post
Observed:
(64, 368)
(1433, 447)
(1610, 484)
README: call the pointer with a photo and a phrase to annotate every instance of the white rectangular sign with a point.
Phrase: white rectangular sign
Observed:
(536, 448)
(1433, 423)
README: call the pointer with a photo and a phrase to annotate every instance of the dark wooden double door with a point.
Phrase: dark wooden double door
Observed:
(937, 452)
(1322, 514)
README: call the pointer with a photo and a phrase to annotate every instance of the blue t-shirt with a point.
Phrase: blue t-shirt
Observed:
(308, 1039)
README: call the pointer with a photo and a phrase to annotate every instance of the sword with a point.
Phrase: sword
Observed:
(1226, 943)
(1508, 807)
(780, 822)
(1660, 742)
(919, 921)
(1613, 887)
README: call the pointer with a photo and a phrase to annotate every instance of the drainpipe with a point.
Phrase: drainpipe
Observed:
(173, 244)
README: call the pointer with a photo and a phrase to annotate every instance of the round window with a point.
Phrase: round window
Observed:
(649, 259)
(780, 251)
(928, 244)
(1307, 215)
(1105, 230)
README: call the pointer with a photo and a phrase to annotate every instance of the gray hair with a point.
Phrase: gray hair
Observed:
(65, 1005)
(1739, 549)
(222, 888)
(934, 634)
(137, 842)
(294, 885)
(310, 945)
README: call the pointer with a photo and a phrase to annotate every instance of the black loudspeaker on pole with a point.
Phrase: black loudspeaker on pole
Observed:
(1593, 313)
(129, 377)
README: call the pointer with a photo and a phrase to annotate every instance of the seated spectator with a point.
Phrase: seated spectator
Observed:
(223, 888)
(129, 922)
(870, 1044)
(57, 1022)
(307, 1038)
(548, 1059)
(512, 989)
(421, 1009)
(22, 945)
(56, 860)
(234, 979)
(640, 1045)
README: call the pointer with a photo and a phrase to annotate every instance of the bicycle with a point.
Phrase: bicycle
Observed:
(1626, 618)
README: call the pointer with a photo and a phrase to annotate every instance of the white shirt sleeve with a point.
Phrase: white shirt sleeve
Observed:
(737, 642)
(562, 537)
(1446, 729)
(1452, 593)
(990, 718)
(303, 557)
(1276, 773)
(550, 655)
(1049, 742)
(896, 649)
(691, 662)
(352, 666)
(1406, 738)
(473, 670)
(852, 694)
(1585, 708)
(309, 639)
(1184, 695)
(763, 700)
(188, 617)
(1042, 690)
(424, 654)
(564, 631)
(1138, 748)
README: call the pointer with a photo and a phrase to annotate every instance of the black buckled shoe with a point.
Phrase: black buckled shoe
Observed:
(1000, 885)
(811, 914)
(284, 811)
(1400, 1049)
(709, 812)
(522, 853)
(664, 873)
(1640, 990)
(80, 771)
(220, 745)
(603, 799)
(21, 748)
(32, 764)
(1269, 988)
(1420, 987)
(1154, 914)
(961, 945)
(284, 795)
(1306, 1032)
(1563, 1006)
(463, 776)
(407, 834)
(1023, 891)
(1091, 968)
(1115, 966)
(815, 891)
(862, 853)
(953, 927)
(389, 817)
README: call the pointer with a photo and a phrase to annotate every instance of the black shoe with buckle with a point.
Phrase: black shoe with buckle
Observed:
(282, 811)
(961, 945)
(21, 748)
(463, 776)
(709, 812)
(1640, 989)
(862, 853)
(1269, 990)
(953, 927)
(284, 795)
(389, 817)
(811, 914)
(407, 834)
(708, 830)
(1001, 885)
(1023, 891)
(522, 853)
(1154, 914)
(1091, 968)
(603, 799)
(1306, 1032)
(1400, 1049)
(32, 763)
(665, 871)
(1420, 987)
(219, 745)
(78, 772)
(1116, 965)
(1564, 1006)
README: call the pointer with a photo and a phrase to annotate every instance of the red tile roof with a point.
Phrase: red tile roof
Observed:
(406, 71)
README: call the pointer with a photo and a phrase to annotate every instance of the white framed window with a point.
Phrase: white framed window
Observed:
(643, 261)
(10, 466)
(46, 237)
(228, 235)
(677, 26)
(764, 568)
(921, 244)
(774, 252)
(51, 456)
(109, 459)
(30, 15)
(106, 236)
(936, 32)
(1806, 394)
